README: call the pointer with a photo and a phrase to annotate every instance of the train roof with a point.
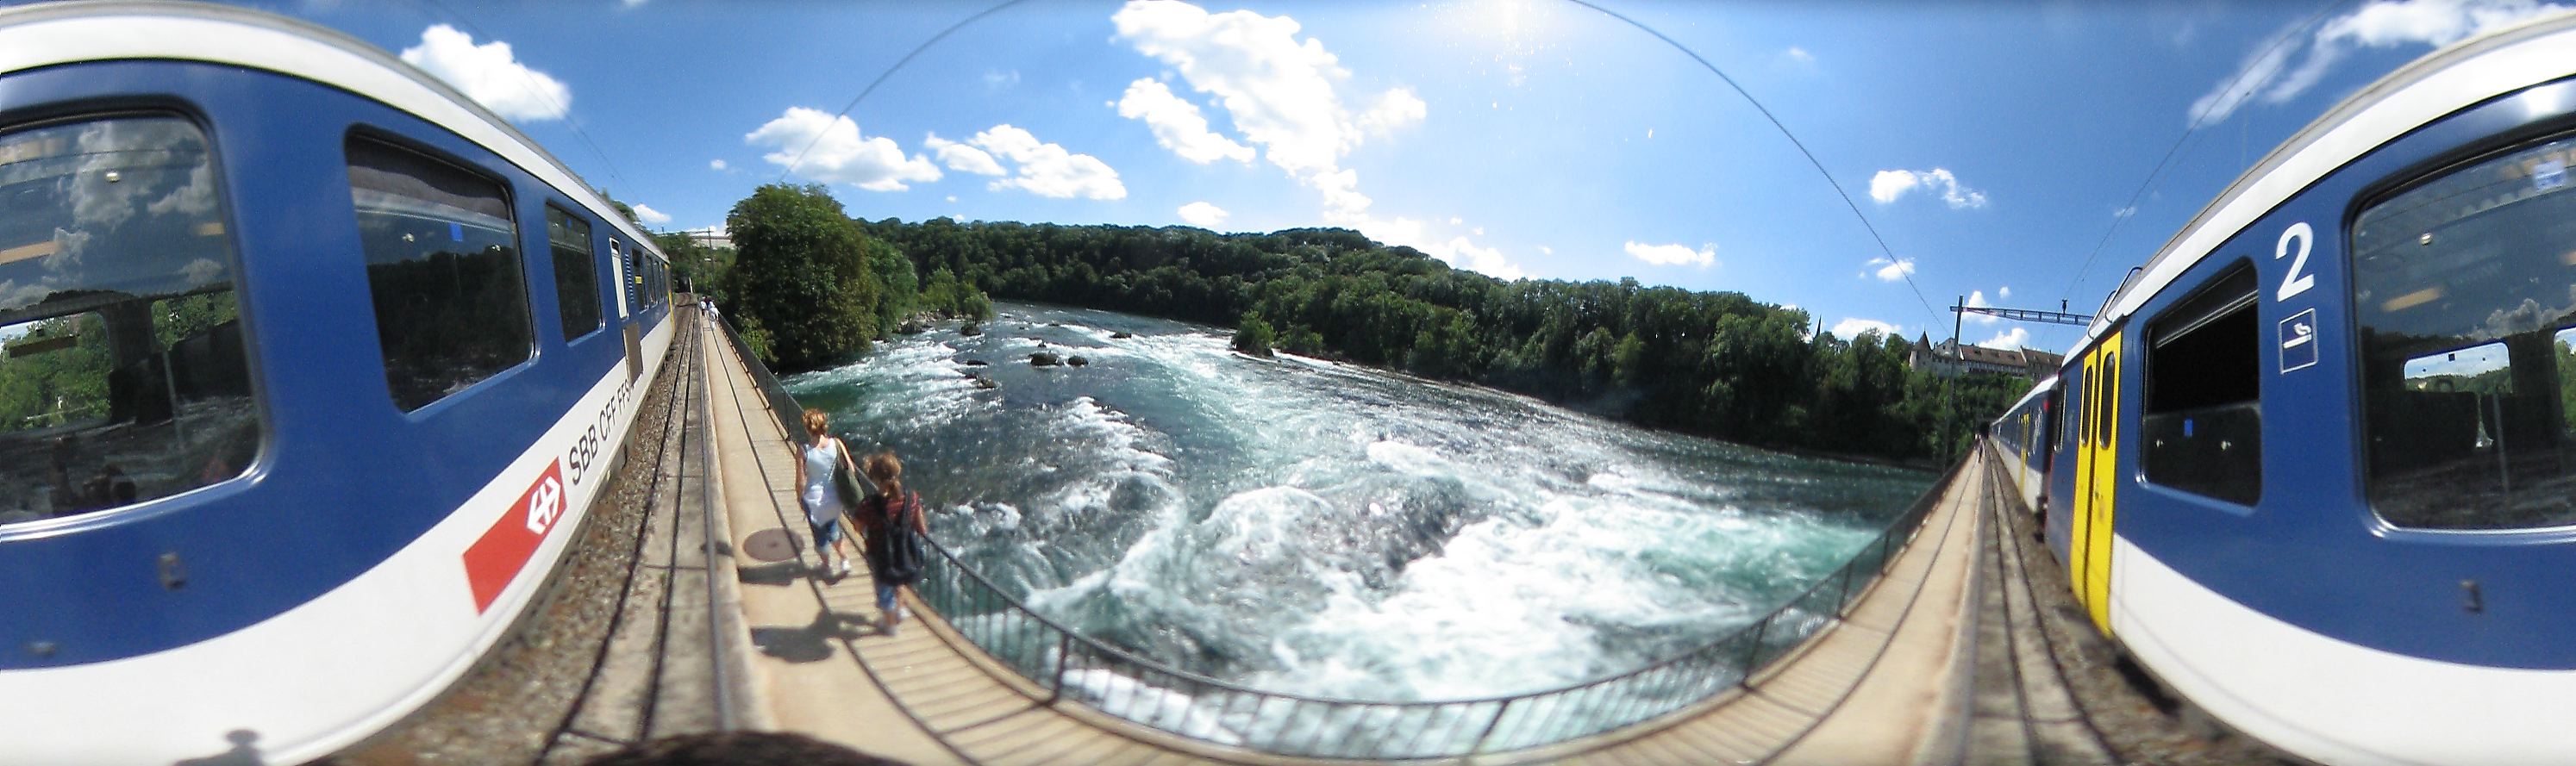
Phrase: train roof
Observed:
(2445, 81)
(50, 34)
(2037, 390)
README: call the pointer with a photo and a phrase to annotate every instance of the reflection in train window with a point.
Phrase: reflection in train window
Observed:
(2464, 288)
(576, 273)
(122, 372)
(2202, 429)
(443, 265)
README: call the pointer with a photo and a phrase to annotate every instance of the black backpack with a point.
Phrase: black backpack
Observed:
(906, 553)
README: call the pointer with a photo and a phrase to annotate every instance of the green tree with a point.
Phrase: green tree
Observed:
(800, 274)
(1253, 336)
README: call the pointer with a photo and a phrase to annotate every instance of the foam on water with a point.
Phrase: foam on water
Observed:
(1314, 527)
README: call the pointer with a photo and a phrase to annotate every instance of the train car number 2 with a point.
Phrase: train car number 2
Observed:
(2297, 334)
(2298, 280)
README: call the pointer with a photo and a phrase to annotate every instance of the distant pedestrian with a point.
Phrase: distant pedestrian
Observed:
(824, 505)
(887, 520)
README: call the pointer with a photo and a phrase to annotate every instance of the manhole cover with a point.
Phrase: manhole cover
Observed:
(769, 545)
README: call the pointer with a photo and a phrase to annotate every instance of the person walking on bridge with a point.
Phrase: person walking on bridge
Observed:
(894, 527)
(824, 504)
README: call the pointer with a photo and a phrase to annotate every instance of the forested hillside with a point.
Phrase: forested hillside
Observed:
(1714, 363)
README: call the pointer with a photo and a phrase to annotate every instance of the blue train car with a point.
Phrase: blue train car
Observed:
(310, 369)
(2313, 464)
(2021, 437)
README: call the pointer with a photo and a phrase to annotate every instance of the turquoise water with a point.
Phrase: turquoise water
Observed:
(1304, 526)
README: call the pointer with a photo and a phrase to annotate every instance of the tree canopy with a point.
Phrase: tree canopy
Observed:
(816, 287)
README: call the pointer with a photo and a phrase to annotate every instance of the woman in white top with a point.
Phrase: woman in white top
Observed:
(823, 506)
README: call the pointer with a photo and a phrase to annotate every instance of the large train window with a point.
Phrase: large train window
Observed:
(576, 272)
(122, 372)
(2464, 290)
(443, 265)
(2202, 426)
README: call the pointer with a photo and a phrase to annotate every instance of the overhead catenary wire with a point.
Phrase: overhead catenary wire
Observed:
(2190, 134)
(1894, 262)
(889, 72)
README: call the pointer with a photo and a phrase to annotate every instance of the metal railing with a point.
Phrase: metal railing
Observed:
(790, 414)
(1070, 666)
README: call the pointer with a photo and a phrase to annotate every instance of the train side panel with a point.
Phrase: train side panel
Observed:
(371, 554)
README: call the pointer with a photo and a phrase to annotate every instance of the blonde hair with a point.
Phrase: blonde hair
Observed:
(885, 469)
(816, 422)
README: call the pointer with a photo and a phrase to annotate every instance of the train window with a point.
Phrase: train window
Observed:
(2109, 404)
(443, 265)
(122, 372)
(634, 277)
(2202, 425)
(2464, 292)
(576, 273)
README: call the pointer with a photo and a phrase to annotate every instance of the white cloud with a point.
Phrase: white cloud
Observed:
(2125, 212)
(2266, 70)
(962, 158)
(1282, 94)
(2004, 291)
(490, 74)
(716, 164)
(630, 3)
(1672, 255)
(1203, 215)
(1177, 124)
(647, 214)
(2009, 339)
(839, 154)
(1891, 185)
(1890, 271)
(1048, 170)
(1394, 109)
(995, 79)
(1800, 55)
(1977, 298)
(1458, 252)
(1547, 250)
(1852, 327)
(952, 198)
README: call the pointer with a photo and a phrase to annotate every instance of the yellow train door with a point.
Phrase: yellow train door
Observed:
(2096, 482)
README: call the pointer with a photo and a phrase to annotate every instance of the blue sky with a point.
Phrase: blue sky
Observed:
(1993, 145)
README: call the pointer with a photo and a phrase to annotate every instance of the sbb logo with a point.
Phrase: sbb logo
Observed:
(545, 503)
(497, 557)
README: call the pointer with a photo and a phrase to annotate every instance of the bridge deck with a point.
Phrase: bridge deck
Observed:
(1885, 686)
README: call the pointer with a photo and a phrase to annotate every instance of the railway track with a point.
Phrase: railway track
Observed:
(660, 670)
(2040, 721)
(626, 643)
(2051, 692)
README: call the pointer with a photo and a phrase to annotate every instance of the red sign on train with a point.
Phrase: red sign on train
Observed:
(493, 561)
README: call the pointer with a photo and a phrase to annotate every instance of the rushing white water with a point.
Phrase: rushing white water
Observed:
(1304, 526)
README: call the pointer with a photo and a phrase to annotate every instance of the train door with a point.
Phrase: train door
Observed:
(2096, 481)
(618, 253)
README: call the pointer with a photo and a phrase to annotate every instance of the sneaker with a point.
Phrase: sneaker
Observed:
(841, 569)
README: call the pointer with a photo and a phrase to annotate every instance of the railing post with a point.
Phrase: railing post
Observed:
(1754, 652)
(1488, 733)
(1842, 599)
(1063, 658)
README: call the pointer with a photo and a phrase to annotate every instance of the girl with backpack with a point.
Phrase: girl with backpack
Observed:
(893, 526)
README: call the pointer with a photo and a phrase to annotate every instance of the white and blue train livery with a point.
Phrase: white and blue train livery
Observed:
(2315, 467)
(309, 371)
(2021, 437)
